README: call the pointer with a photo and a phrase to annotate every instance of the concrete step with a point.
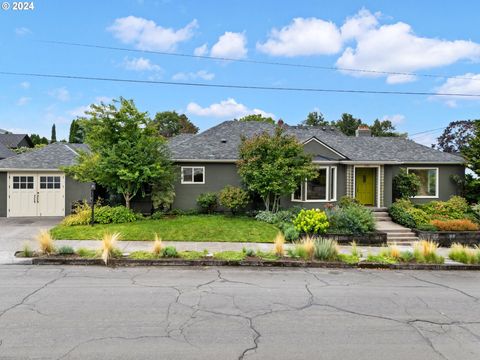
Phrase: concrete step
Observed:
(383, 219)
(398, 232)
(383, 213)
(378, 209)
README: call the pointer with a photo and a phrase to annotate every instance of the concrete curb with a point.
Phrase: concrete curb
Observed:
(247, 263)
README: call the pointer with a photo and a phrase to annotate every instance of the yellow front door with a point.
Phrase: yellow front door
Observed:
(365, 186)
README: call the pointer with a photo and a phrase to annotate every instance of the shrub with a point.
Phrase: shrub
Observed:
(248, 252)
(464, 254)
(266, 216)
(455, 225)
(278, 248)
(313, 221)
(476, 211)
(346, 201)
(233, 198)
(455, 208)
(290, 232)
(114, 215)
(65, 250)
(326, 250)
(45, 242)
(404, 213)
(87, 253)
(169, 251)
(427, 227)
(353, 219)
(81, 215)
(157, 215)
(108, 248)
(208, 202)
(426, 252)
(405, 185)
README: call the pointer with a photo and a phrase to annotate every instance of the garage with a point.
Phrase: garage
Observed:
(34, 183)
(36, 194)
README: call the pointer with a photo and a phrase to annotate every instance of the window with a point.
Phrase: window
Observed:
(317, 189)
(333, 183)
(428, 181)
(193, 175)
(49, 182)
(297, 194)
(23, 182)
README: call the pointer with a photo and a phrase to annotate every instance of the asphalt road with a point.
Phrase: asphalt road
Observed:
(233, 313)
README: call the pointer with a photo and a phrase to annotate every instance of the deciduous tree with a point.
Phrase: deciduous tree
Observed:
(170, 123)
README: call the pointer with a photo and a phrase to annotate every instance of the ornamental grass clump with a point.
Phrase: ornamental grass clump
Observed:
(278, 247)
(308, 244)
(355, 252)
(426, 252)
(157, 245)
(108, 248)
(464, 254)
(45, 242)
(326, 250)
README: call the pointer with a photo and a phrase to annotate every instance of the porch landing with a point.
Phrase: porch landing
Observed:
(395, 233)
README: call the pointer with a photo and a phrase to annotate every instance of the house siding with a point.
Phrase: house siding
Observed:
(447, 187)
(3, 194)
(315, 148)
(75, 191)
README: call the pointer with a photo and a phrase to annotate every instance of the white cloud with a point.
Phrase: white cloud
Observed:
(201, 74)
(25, 85)
(201, 50)
(303, 36)
(61, 94)
(465, 84)
(140, 64)
(396, 48)
(24, 100)
(147, 35)
(230, 45)
(22, 31)
(80, 110)
(396, 119)
(226, 109)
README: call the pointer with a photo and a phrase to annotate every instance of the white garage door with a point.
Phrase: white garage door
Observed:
(36, 194)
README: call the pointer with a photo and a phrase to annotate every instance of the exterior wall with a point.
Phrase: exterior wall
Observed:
(23, 143)
(447, 187)
(3, 194)
(74, 191)
(217, 176)
(315, 148)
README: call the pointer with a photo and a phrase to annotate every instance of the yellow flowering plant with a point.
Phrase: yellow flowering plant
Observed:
(311, 222)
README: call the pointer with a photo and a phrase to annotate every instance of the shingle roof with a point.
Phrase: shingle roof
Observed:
(50, 157)
(221, 142)
(12, 140)
(5, 152)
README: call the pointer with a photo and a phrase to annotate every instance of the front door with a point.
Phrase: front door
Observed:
(365, 186)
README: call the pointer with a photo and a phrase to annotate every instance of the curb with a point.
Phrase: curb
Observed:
(248, 263)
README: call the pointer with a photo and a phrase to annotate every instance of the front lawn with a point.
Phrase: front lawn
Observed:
(180, 228)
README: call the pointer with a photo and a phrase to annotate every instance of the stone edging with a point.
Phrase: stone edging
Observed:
(247, 263)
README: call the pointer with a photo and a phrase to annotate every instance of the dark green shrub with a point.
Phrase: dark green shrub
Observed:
(65, 250)
(169, 251)
(399, 214)
(346, 201)
(233, 198)
(291, 234)
(405, 185)
(352, 219)
(208, 202)
(427, 227)
(114, 215)
(158, 215)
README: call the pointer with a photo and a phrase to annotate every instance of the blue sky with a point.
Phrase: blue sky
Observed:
(408, 36)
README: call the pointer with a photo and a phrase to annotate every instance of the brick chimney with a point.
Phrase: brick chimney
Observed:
(363, 130)
(280, 123)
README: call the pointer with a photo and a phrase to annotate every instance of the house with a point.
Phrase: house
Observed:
(5, 152)
(33, 184)
(362, 166)
(15, 141)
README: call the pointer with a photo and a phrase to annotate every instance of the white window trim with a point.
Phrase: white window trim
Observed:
(292, 199)
(437, 180)
(193, 170)
(378, 181)
(327, 190)
(334, 190)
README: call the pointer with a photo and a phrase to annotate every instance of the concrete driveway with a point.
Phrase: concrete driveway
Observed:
(14, 232)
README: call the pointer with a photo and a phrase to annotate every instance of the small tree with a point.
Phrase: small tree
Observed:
(273, 165)
(208, 202)
(405, 185)
(257, 117)
(170, 123)
(77, 132)
(233, 198)
(53, 137)
(38, 140)
(315, 118)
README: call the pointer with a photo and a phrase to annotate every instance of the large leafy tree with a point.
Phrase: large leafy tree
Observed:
(456, 136)
(315, 118)
(170, 123)
(77, 131)
(273, 166)
(126, 154)
(38, 140)
(257, 117)
(384, 128)
(347, 124)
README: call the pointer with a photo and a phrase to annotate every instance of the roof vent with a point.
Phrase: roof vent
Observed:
(363, 131)
(223, 141)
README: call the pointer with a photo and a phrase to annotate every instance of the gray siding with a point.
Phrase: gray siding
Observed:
(447, 187)
(217, 176)
(3, 194)
(75, 191)
(315, 148)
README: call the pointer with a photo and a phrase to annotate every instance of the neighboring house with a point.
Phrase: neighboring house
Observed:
(33, 184)
(15, 141)
(362, 166)
(5, 152)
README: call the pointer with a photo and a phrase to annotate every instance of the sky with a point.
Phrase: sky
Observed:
(414, 37)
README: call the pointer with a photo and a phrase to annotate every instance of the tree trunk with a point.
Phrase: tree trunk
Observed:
(127, 198)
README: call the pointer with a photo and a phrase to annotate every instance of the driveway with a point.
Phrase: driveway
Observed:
(14, 232)
(234, 313)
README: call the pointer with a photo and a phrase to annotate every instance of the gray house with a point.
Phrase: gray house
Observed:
(362, 166)
(32, 183)
(15, 141)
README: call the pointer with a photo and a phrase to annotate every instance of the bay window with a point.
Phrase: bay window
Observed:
(322, 188)
(428, 181)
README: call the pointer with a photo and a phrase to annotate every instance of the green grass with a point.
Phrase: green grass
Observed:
(230, 255)
(180, 228)
(380, 259)
(88, 253)
(192, 255)
(143, 255)
(348, 258)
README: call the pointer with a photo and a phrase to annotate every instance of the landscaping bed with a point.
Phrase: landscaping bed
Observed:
(447, 238)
